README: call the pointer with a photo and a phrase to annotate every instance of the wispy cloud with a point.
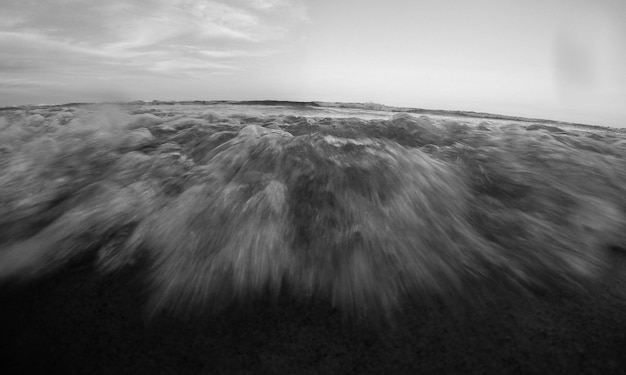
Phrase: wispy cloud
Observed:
(69, 38)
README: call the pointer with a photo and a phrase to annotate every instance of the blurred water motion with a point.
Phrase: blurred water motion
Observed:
(367, 214)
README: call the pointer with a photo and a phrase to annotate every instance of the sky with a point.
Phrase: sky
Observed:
(555, 59)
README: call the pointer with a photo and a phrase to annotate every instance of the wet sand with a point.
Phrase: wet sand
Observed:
(79, 323)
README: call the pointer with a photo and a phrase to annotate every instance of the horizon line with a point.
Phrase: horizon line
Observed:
(324, 104)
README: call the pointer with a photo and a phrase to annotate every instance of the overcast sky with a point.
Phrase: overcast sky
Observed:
(556, 59)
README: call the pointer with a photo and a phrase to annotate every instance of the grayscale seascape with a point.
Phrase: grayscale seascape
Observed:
(299, 187)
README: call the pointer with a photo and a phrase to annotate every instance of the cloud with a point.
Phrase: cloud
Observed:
(267, 4)
(191, 66)
(149, 21)
(31, 54)
(70, 38)
(7, 83)
(189, 19)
